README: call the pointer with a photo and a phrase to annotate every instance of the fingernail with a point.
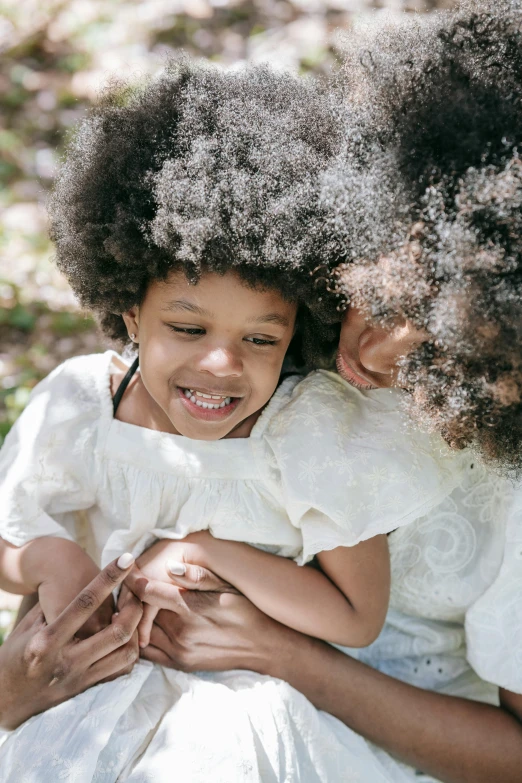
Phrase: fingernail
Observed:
(175, 568)
(143, 645)
(124, 561)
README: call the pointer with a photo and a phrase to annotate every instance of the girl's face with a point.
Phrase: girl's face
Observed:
(368, 354)
(210, 354)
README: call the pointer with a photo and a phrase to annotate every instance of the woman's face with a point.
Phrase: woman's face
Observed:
(211, 353)
(368, 354)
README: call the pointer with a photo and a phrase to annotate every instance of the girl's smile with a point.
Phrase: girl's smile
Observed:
(208, 406)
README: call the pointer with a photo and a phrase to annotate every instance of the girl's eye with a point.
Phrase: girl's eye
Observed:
(260, 341)
(192, 331)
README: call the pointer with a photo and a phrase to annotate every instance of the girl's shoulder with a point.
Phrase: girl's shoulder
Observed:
(78, 386)
(354, 457)
(48, 461)
(89, 371)
(323, 410)
(324, 398)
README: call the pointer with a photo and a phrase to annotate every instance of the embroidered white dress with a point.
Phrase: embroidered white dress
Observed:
(325, 465)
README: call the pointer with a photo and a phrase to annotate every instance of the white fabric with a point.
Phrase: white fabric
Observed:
(324, 466)
(447, 569)
(456, 599)
(235, 727)
(454, 578)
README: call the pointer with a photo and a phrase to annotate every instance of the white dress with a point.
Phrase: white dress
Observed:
(325, 465)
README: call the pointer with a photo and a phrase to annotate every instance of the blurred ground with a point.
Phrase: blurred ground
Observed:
(55, 56)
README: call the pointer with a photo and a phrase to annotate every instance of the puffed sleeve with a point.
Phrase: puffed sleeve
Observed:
(494, 622)
(47, 460)
(351, 465)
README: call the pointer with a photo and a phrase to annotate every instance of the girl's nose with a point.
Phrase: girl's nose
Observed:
(221, 362)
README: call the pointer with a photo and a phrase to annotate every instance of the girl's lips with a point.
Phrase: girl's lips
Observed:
(207, 414)
(347, 372)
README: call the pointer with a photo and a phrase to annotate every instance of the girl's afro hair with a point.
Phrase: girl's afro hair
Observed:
(200, 170)
(428, 204)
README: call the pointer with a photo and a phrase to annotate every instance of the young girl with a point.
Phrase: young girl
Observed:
(184, 217)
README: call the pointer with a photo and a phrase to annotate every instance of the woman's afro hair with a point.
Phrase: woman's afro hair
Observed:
(199, 170)
(428, 204)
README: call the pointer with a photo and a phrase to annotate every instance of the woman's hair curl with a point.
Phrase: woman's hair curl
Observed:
(430, 195)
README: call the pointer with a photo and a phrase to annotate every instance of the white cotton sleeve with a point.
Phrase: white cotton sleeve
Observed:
(351, 464)
(494, 622)
(47, 461)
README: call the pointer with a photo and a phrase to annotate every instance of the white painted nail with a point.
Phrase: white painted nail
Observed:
(175, 568)
(124, 561)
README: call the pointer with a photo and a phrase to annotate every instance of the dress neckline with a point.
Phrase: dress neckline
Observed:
(137, 432)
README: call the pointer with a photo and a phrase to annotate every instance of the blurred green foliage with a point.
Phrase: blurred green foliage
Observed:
(22, 324)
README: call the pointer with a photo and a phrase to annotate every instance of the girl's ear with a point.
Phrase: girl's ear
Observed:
(132, 321)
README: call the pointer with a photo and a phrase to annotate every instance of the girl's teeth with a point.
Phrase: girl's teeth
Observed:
(207, 396)
(193, 397)
(206, 405)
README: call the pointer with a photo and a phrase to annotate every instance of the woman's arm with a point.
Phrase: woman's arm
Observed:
(345, 605)
(452, 739)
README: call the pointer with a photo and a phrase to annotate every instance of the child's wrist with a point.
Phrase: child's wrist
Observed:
(42, 557)
(202, 549)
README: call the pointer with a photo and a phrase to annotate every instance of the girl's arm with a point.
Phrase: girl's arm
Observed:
(23, 568)
(345, 604)
(33, 568)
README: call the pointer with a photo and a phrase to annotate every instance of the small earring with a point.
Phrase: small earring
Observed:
(133, 336)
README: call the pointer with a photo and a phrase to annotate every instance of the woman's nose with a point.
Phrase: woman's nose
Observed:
(380, 349)
(221, 362)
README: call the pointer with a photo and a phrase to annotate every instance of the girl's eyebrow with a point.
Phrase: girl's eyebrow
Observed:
(191, 307)
(271, 318)
(184, 304)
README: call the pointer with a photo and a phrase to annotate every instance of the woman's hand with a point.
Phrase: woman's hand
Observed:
(213, 631)
(42, 665)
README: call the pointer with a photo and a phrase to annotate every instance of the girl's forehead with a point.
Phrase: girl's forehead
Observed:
(215, 295)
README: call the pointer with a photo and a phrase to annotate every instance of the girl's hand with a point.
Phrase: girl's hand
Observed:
(37, 655)
(164, 562)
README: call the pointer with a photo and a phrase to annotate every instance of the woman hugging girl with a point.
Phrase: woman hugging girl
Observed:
(185, 218)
